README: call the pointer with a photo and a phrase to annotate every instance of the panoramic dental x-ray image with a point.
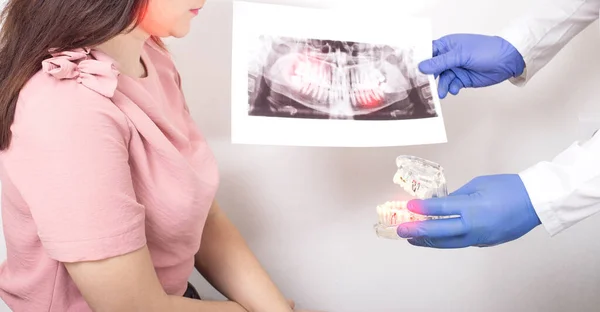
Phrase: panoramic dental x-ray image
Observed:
(329, 79)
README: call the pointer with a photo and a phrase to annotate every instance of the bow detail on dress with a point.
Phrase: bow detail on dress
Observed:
(99, 76)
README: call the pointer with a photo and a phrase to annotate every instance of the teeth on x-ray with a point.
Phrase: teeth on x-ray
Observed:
(314, 79)
(365, 86)
(326, 82)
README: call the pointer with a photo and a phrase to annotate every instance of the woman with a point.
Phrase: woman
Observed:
(108, 187)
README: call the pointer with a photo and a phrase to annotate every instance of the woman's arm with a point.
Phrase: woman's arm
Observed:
(80, 194)
(129, 283)
(227, 263)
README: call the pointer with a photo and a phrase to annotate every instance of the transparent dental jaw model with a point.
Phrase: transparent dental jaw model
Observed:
(421, 179)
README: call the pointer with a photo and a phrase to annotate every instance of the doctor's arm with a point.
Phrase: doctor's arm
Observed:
(547, 27)
(497, 209)
(566, 189)
(520, 50)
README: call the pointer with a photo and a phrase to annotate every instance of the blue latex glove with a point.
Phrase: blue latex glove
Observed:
(493, 210)
(472, 61)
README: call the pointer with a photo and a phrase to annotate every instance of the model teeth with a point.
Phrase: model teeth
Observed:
(395, 212)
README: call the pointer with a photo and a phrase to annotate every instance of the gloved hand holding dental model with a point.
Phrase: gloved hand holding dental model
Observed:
(487, 211)
(493, 210)
(500, 208)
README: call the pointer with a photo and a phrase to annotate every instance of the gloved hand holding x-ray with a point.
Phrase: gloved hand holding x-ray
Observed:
(472, 61)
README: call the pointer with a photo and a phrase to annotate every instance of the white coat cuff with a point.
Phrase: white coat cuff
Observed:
(539, 183)
(523, 44)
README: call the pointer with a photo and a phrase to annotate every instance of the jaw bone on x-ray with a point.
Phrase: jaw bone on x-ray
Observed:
(327, 79)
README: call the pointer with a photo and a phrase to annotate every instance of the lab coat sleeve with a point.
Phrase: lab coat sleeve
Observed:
(566, 190)
(550, 24)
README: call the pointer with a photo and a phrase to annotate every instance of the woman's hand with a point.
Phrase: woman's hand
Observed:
(293, 306)
(227, 263)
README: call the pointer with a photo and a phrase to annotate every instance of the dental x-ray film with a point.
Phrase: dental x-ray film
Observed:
(331, 77)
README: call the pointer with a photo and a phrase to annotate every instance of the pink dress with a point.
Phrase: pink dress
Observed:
(99, 165)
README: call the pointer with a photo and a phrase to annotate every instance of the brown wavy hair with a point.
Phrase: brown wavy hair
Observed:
(29, 28)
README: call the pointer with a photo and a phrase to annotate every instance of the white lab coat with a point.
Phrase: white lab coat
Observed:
(565, 190)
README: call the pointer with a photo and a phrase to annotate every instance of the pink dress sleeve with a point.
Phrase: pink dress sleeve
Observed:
(69, 160)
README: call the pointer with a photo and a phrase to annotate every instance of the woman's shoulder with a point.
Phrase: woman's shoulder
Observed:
(75, 75)
(69, 89)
